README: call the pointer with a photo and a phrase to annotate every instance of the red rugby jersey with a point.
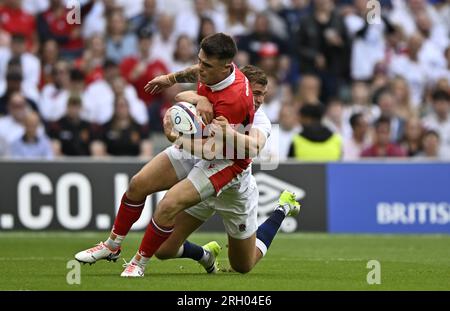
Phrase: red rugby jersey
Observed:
(233, 99)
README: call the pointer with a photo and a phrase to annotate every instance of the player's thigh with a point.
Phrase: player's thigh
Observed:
(180, 197)
(157, 175)
(185, 225)
(241, 253)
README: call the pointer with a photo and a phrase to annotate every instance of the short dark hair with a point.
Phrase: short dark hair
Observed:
(14, 75)
(18, 37)
(255, 74)
(431, 133)
(382, 120)
(219, 45)
(144, 33)
(76, 75)
(314, 111)
(74, 100)
(440, 95)
(355, 118)
(110, 63)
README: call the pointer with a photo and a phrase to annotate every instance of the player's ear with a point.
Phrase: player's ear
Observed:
(228, 65)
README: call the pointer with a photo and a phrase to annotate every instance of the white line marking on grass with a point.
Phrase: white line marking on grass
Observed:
(32, 235)
(32, 258)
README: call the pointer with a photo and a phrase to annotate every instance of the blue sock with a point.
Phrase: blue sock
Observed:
(267, 230)
(193, 251)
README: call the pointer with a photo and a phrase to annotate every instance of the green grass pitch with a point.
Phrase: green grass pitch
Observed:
(37, 261)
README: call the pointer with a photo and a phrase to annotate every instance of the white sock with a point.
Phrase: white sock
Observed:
(283, 208)
(140, 260)
(180, 252)
(261, 246)
(205, 258)
(114, 244)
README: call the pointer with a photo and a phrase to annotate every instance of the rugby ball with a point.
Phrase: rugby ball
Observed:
(185, 119)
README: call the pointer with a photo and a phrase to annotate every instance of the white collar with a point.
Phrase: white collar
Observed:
(225, 82)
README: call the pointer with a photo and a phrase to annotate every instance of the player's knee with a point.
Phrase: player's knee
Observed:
(242, 268)
(136, 185)
(168, 207)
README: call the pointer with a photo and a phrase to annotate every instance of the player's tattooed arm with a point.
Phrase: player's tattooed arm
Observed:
(160, 83)
(188, 75)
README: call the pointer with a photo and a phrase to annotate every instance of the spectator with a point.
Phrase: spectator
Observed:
(412, 137)
(93, 59)
(14, 85)
(73, 134)
(49, 57)
(369, 44)
(324, 47)
(53, 103)
(279, 141)
(360, 139)
(77, 81)
(308, 89)
(431, 55)
(443, 9)
(52, 24)
(34, 7)
(388, 108)
(273, 99)
(206, 28)
(272, 63)
(31, 144)
(188, 21)
(138, 70)
(95, 21)
(163, 40)
(122, 135)
(315, 142)
(404, 13)
(137, 107)
(402, 97)
(334, 118)
(119, 42)
(360, 103)
(382, 146)
(292, 15)
(260, 38)
(99, 97)
(409, 67)
(12, 125)
(184, 55)
(239, 17)
(28, 64)
(439, 120)
(147, 19)
(430, 142)
(15, 21)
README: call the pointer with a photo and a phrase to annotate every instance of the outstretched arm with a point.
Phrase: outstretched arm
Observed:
(160, 83)
(189, 75)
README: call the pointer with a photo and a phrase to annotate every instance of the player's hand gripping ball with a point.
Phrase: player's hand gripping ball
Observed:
(185, 119)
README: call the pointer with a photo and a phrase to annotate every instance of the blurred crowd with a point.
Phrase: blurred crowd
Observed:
(347, 78)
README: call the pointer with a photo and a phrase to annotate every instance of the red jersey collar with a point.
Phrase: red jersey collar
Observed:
(225, 82)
